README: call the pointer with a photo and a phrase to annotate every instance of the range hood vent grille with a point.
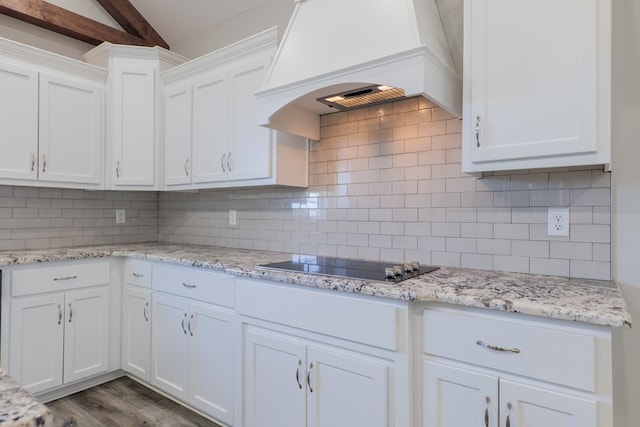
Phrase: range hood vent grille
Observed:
(369, 95)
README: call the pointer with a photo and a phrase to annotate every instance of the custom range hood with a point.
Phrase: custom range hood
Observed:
(344, 54)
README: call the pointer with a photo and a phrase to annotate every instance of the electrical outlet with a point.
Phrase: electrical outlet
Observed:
(558, 222)
(120, 216)
(233, 220)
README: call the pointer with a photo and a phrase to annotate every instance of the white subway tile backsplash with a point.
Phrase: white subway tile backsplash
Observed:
(591, 197)
(572, 250)
(590, 269)
(590, 233)
(511, 231)
(574, 179)
(549, 266)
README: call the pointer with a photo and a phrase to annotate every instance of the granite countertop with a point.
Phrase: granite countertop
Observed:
(19, 408)
(581, 300)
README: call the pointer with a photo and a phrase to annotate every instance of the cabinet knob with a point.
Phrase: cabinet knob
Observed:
(33, 162)
(118, 169)
(189, 325)
(229, 162)
(70, 312)
(508, 422)
(478, 131)
(222, 162)
(486, 411)
(144, 312)
(44, 163)
(183, 327)
(59, 314)
(186, 167)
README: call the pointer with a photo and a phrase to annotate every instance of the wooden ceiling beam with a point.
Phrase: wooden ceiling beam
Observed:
(63, 21)
(132, 21)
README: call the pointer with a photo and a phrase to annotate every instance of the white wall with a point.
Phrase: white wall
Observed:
(267, 15)
(626, 206)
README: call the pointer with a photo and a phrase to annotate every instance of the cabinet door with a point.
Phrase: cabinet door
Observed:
(250, 144)
(535, 407)
(19, 122)
(133, 127)
(530, 93)
(136, 332)
(177, 138)
(275, 380)
(36, 341)
(211, 361)
(169, 345)
(346, 389)
(86, 335)
(458, 397)
(210, 106)
(71, 131)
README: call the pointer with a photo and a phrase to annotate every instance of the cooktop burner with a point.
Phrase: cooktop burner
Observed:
(369, 270)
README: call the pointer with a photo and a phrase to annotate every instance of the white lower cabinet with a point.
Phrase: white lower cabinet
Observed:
(456, 396)
(192, 351)
(293, 382)
(484, 370)
(136, 332)
(58, 329)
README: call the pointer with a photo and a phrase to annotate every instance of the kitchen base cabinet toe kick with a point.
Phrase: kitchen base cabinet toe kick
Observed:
(256, 353)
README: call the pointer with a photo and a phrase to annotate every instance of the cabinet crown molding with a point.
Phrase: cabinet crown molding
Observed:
(100, 55)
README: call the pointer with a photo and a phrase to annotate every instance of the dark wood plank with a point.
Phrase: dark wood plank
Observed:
(124, 402)
(132, 21)
(63, 21)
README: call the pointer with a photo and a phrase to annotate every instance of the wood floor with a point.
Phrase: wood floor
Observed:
(123, 403)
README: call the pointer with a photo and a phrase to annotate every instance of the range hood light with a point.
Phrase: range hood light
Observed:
(365, 96)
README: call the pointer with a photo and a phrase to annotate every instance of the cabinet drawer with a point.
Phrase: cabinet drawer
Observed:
(201, 285)
(58, 278)
(137, 273)
(556, 355)
(350, 318)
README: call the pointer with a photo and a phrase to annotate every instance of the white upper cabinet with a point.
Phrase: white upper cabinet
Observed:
(212, 138)
(19, 122)
(133, 155)
(537, 84)
(71, 130)
(52, 118)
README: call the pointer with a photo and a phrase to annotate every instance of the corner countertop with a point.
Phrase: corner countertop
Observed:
(19, 408)
(581, 300)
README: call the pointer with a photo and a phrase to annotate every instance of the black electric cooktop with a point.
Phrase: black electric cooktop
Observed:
(341, 267)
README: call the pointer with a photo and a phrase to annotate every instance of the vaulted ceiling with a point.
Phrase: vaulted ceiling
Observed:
(142, 21)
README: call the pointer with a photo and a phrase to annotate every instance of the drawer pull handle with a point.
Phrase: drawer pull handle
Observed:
(64, 278)
(138, 275)
(508, 424)
(309, 377)
(59, 314)
(298, 374)
(486, 412)
(188, 286)
(183, 327)
(144, 312)
(496, 348)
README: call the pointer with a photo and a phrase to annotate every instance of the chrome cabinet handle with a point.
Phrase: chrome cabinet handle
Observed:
(188, 286)
(44, 163)
(138, 275)
(183, 327)
(70, 312)
(118, 169)
(298, 374)
(309, 377)
(189, 325)
(33, 162)
(486, 412)
(508, 423)
(229, 162)
(59, 314)
(144, 312)
(478, 131)
(222, 162)
(56, 279)
(496, 348)
(186, 170)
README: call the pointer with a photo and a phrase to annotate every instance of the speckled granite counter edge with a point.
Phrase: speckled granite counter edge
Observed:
(579, 300)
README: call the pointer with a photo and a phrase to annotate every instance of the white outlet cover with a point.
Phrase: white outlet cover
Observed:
(120, 216)
(558, 222)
